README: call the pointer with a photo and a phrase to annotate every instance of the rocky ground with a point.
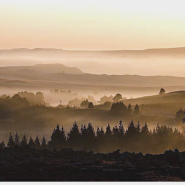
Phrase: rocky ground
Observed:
(69, 165)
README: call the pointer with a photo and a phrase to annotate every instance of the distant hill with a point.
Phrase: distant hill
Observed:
(171, 97)
(51, 52)
(149, 62)
(43, 68)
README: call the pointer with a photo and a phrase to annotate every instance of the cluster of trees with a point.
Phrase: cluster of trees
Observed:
(60, 91)
(32, 143)
(135, 138)
(180, 115)
(121, 108)
(87, 104)
(20, 101)
(33, 99)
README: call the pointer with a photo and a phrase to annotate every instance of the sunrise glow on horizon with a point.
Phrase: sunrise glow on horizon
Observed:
(92, 25)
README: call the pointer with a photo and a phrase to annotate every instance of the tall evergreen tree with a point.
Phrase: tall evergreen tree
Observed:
(136, 110)
(37, 142)
(11, 142)
(24, 141)
(17, 142)
(44, 145)
(74, 137)
(31, 143)
(129, 108)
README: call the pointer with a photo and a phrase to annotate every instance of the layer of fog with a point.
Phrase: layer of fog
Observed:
(118, 66)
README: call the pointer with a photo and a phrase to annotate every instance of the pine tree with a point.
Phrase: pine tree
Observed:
(44, 145)
(31, 143)
(37, 142)
(11, 142)
(2, 145)
(17, 139)
(24, 141)
(129, 108)
(138, 127)
(136, 110)
(108, 132)
(74, 137)
(121, 130)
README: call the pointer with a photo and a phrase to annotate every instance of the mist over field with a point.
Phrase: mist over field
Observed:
(141, 62)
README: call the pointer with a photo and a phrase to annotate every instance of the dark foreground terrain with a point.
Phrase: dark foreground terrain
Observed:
(69, 165)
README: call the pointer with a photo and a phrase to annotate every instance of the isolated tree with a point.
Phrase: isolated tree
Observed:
(179, 114)
(117, 97)
(90, 105)
(162, 91)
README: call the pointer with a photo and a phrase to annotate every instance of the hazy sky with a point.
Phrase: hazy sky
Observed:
(92, 24)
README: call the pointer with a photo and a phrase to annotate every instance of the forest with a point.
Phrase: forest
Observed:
(135, 138)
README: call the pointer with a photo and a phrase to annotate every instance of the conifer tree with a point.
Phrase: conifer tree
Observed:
(129, 108)
(44, 145)
(74, 137)
(136, 109)
(31, 143)
(24, 141)
(2, 145)
(11, 142)
(37, 142)
(17, 139)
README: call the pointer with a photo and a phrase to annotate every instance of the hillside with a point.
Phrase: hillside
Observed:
(172, 97)
(147, 62)
(41, 68)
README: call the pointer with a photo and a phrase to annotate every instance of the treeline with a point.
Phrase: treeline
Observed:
(121, 108)
(135, 138)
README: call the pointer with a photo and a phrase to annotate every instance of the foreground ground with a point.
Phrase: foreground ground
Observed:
(68, 165)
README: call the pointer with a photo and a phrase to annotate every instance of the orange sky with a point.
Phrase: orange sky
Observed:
(92, 24)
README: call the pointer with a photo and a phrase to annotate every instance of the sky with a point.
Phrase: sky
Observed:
(92, 24)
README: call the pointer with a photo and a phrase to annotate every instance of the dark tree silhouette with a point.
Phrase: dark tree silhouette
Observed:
(2, 145)
(179, 114)
(162, 91)
(24, 141)
(90, 105)
(129, 108)
(136, 109)
(17, 142)
(119, 108)
(118, 97)
(44, 144)
(31, 143)
(11, 142)
(37, 142)
(74, 137)
(84, 103)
